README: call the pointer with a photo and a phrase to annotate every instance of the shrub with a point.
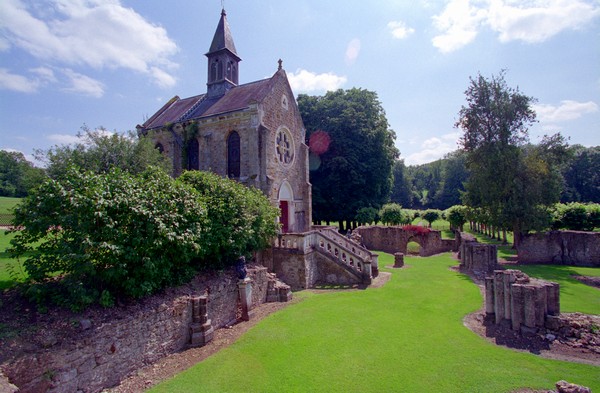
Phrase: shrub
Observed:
(417, 228)
(457, 216)
(576, 216)
(109, 235)
(240, 219)
(392, 214)
(431, 215)
(367, 215)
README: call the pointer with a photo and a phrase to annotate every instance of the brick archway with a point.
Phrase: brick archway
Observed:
(394, 239)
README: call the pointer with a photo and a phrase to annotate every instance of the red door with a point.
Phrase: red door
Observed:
(284, 218)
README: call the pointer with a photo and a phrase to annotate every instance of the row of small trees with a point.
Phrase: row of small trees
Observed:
(573, 216)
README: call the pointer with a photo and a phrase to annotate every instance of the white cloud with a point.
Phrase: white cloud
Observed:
(352, 51)
(459, 22)
(88, 32)
(529, 21)
(63, 139)
(433, 149)
(305, 81)
(536, 21)
(19, 83)
(567, 110)
(400, 30)
(83, 84)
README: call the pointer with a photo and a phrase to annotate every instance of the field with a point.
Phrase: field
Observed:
(7, 204)
(11, 270)
(405, 336)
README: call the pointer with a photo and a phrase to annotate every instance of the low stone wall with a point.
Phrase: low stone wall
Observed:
(524, 302)
(476, 258)
(393, 239)
(98, 352)
(561, 247)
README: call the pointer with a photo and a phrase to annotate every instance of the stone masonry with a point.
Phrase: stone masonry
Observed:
(526, 303)
(107, 349)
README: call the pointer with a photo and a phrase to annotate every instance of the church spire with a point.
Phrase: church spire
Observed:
(222, 60)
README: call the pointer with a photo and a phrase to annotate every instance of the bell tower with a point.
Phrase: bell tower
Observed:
(223, 60)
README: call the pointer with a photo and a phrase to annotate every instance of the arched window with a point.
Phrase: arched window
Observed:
(229, 71)
(159, 147)
(193, 155)
(233, 155)
(213, 70)
(220, 70)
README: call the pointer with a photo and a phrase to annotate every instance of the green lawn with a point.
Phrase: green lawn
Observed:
(10, 269)
(574, 295)
(407, 336)
(7, 204)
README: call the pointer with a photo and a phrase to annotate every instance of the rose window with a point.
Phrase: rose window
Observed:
(285, 147)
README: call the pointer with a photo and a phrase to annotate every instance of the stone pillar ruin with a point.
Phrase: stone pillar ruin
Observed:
(201, 329)
(245, 287)
(398, 259)
(525, 302)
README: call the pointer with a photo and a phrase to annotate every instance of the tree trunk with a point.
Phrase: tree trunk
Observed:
(504, 236)
(516, 236)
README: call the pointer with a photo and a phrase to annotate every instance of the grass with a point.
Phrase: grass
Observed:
(574, 295)
(405, 336)
(11, 271)
(7, 204)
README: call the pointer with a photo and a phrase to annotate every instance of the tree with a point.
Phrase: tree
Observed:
(582, 175)
(352, 152)
(100, 151)
(504, 179)
(431, 215)
(392, 214)
(402, 191)
(17, 175)
(457, 216)
(454, 175)
(367, 215)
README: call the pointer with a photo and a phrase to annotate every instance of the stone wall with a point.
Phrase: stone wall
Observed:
(476, 258)
(392, 239)
(102, 348)
(561, 247)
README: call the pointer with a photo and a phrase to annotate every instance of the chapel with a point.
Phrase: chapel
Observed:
(251, 132)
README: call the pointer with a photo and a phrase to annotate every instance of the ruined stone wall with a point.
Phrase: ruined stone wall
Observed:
(561, 247)
(105, 349)
(524, 302)
(477, 258)
(392, 239)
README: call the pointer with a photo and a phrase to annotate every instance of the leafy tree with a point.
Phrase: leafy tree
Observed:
(17, 175)
(367, 215)
(506, 181)
(100, 151)
(582, 175)
(353, 169)
(110, 235)
(454, 175)
(392, 214)
(240, 219)
(402, 190)
(457, 216)
(431, 215)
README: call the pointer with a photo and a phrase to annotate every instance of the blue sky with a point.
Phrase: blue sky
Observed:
(111, 63)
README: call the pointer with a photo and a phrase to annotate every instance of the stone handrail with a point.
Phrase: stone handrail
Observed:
(336, 246)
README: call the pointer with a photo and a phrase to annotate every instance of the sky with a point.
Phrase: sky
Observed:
(113, 63)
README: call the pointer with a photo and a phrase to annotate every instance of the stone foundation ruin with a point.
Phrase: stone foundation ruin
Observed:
(526, 303)
(476, 258)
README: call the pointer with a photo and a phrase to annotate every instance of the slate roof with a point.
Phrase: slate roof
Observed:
(223, 38)
(178, 110)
